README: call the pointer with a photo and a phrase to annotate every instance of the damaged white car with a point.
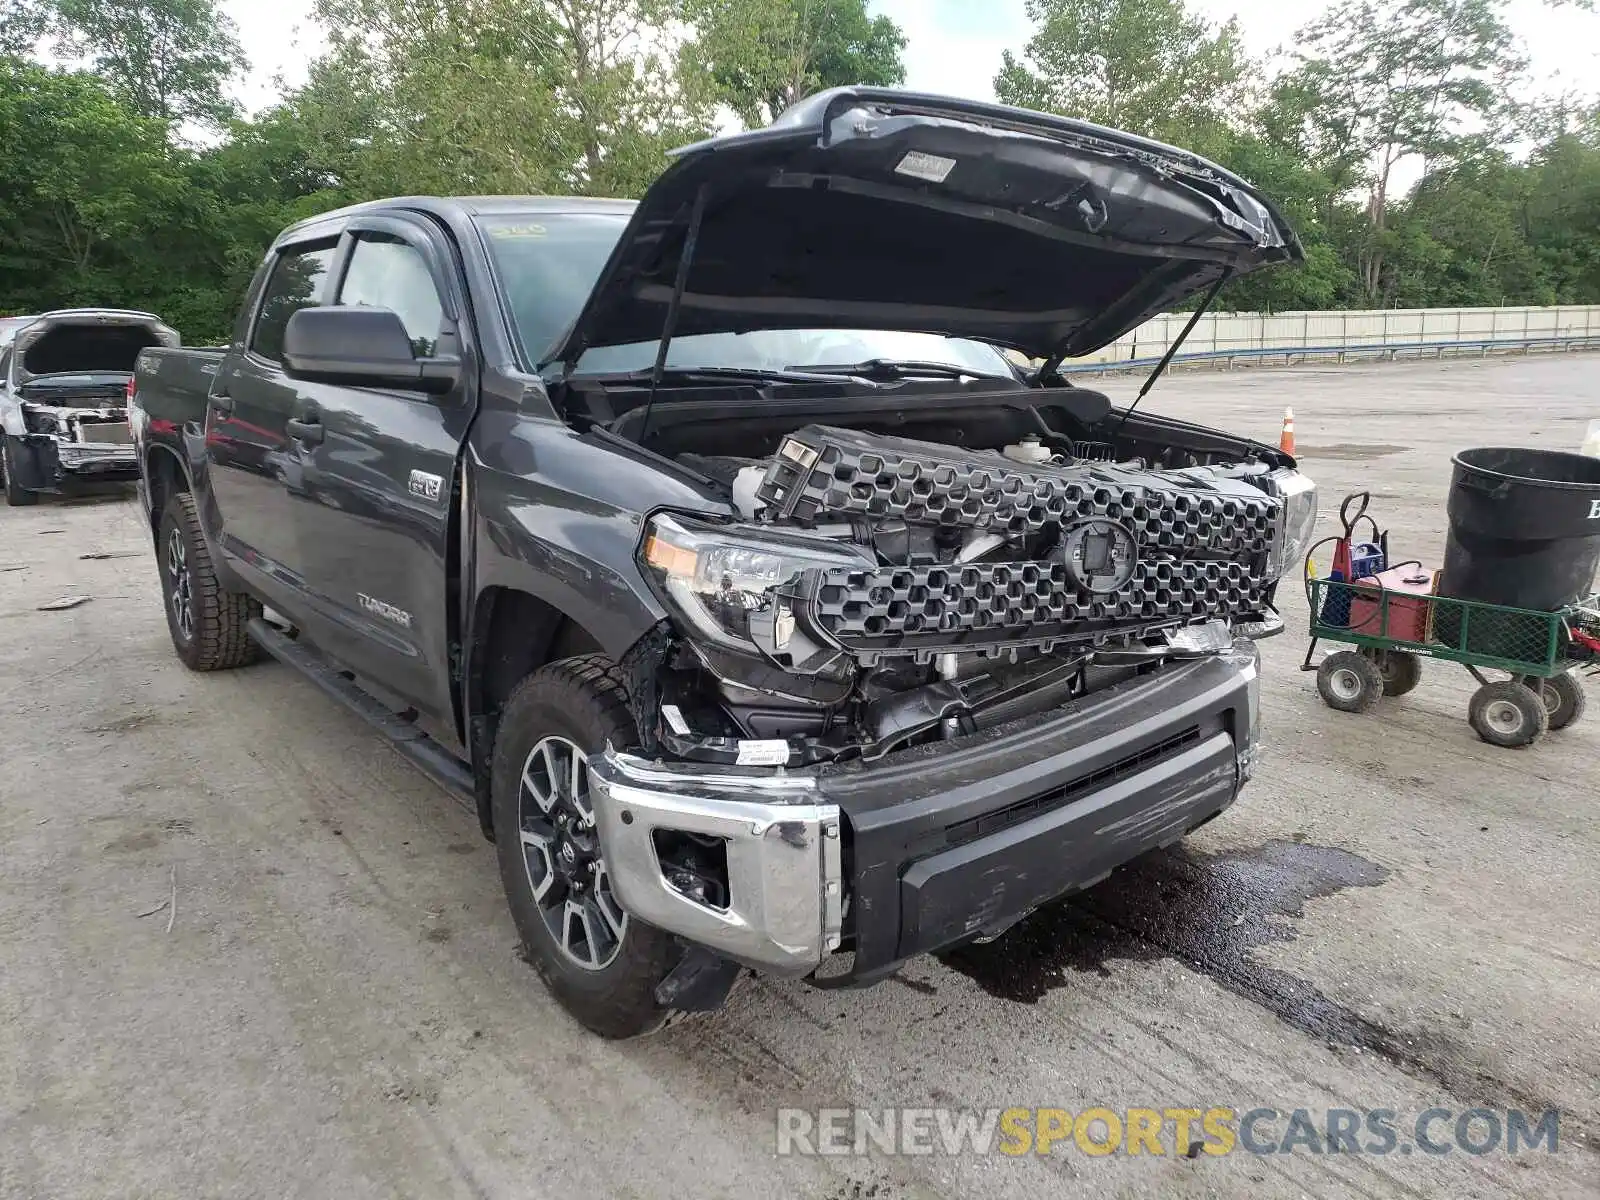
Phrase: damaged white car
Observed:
(64, 383)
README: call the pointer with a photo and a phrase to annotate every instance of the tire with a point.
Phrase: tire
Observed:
(209, 625)
(1564, 700)
(607, 984)
(1349, 682)
(17, 496)
(1508, 714)
(1400, 669)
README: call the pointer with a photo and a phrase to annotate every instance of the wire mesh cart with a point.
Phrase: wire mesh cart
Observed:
(1394, 621)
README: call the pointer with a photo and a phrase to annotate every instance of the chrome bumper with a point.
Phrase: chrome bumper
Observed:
(785, 882)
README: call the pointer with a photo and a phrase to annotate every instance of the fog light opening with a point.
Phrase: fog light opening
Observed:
(694, 865)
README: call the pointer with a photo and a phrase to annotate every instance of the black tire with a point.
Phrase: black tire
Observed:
(214, 636)
(1349, 682)
(581, 701)
(1564, 700)
(1400, 669)
(1508, 714)
(17, 496)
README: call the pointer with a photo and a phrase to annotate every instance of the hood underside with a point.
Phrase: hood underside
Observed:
(878, 209)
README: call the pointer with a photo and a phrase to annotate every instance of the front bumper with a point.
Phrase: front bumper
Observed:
(46, 463)
(941, 843)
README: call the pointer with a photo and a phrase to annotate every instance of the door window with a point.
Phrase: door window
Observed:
(295, 283)
(386, 272)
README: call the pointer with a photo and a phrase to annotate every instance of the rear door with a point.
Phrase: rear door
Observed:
(380, 475)
(256, 470)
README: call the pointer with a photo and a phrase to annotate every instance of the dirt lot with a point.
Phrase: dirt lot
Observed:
(1394, 916)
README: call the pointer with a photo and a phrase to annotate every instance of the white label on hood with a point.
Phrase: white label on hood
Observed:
(926, 166)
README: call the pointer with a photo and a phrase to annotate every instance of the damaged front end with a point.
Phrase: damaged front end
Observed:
(70, 440)
(926, 651)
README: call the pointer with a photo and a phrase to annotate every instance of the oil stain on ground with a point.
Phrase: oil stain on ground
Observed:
(1209, 911)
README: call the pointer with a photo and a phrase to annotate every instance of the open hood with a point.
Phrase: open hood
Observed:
(872, 208)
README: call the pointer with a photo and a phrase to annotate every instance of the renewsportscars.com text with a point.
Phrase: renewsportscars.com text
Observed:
(1183, 1132)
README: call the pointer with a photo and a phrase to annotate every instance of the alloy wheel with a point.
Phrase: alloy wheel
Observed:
(182, 598)
(561, 849)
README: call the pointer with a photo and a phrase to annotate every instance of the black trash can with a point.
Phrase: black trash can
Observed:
(1524, 528)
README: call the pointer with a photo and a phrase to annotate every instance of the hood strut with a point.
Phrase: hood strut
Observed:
(669, 324)
(1199, 311)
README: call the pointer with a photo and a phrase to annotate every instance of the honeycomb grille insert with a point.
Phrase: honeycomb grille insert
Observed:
(903, 608)
(821, 473)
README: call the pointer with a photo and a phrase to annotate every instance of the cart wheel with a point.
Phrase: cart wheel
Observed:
(1564, 700)
(1401, 670)
(1349, 681)
(1508, 714)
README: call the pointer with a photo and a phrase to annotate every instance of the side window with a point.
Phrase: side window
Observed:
(386, 272)
(295, 283)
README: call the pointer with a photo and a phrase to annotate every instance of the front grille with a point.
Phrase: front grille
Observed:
(1023, 810)
(909, 608)
(822, 472)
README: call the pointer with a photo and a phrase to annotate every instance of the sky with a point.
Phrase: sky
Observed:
(954, 46)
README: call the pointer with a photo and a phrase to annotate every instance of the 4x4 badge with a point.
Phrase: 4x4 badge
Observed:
(425, 485)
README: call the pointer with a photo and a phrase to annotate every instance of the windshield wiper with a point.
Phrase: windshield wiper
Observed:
(691, 374)
(896, 368)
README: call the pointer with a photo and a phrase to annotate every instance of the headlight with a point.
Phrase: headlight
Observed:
(737, 585)
(1296, 522)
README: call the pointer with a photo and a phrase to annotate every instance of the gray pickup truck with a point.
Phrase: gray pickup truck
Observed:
(64, 379)
(767, 614)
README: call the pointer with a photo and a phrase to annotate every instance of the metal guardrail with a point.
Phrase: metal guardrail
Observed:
(1341, 352)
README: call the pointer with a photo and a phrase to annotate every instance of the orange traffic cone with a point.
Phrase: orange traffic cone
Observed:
(1286, 442)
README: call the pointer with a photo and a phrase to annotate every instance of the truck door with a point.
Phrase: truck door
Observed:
(253, 466)
(380, 478)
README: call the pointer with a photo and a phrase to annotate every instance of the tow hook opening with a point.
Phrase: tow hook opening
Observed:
(695, 866)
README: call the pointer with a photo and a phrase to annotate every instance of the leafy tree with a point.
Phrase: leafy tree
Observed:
(1148, 66)
(170, 59)
(764, 55)
(1382, 80)
(22, 24)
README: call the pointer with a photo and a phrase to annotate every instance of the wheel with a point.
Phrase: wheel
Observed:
(1401, 670)
(1349, 681)
(601, 965)
(1508, 714)
(1564, 700)
(17, 496)
(209, 625)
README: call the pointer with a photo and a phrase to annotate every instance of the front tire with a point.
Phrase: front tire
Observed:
(1349, 681)
(1508, 714)
(17, 496)
(1401, 670)
(208, 623)
(599, 963)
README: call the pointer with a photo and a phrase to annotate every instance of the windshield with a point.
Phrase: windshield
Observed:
(547, 264)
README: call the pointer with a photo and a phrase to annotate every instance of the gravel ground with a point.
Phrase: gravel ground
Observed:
(1393, 916)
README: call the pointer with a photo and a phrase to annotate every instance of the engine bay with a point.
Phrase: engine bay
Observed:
(883, 590)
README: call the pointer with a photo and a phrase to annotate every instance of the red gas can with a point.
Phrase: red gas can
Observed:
(1408, 592)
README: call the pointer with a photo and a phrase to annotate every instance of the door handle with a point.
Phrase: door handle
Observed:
(308, 431)
(221, 402)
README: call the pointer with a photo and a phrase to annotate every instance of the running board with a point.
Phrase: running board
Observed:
(432, 759)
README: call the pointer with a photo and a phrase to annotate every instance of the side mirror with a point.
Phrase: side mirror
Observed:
(361, 347)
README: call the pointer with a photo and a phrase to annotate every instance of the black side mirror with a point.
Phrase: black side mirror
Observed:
(361, 347)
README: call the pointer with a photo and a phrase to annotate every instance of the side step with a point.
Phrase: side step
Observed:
(432, 759)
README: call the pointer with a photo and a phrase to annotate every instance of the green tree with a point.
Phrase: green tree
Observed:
(1383, 80)
(1148, 66)
(170, 59)
(764, 55)
(22, 24)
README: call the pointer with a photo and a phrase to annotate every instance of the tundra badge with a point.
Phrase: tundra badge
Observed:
(425, 485)
(382, 608)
